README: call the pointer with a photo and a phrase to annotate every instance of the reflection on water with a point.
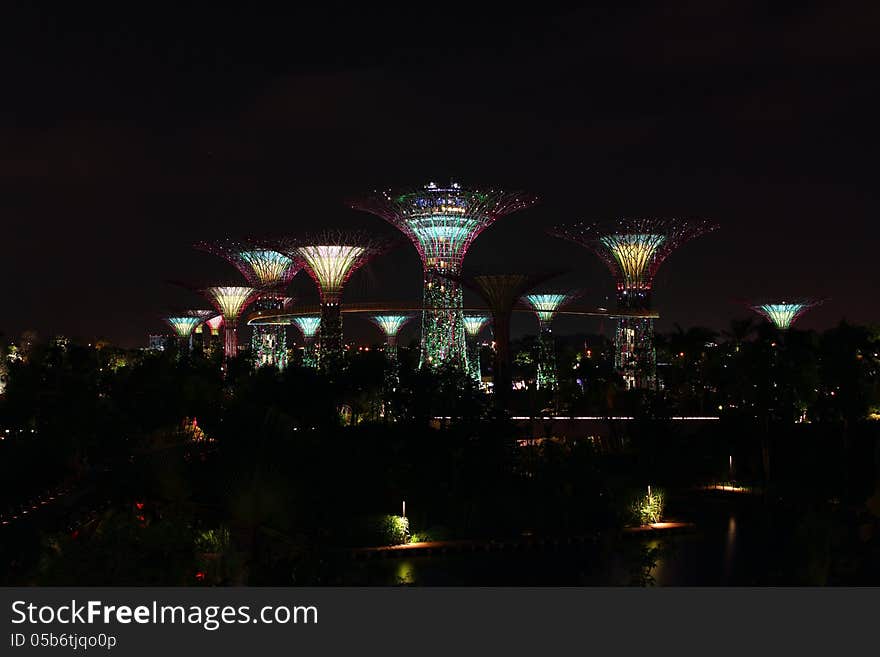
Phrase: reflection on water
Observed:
(405, 572)
(729, 550)
(718, 553)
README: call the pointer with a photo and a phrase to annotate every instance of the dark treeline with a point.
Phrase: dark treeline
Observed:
(181, 475)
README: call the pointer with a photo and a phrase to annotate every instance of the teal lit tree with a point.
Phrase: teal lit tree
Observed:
(546, 306)
(442, 222)
(308, 325)
(782, 314)
(184, 324)
(473, 326)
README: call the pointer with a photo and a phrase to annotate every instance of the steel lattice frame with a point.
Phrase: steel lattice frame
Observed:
(442, 222)
(633, 249)
(782, 314)
(546, 305)
(473, 325)
(308, 326)
(330, 258)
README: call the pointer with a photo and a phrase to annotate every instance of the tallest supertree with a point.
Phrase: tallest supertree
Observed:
(442, 222)
(634, 249)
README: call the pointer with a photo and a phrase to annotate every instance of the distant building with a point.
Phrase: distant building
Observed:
(158, 342)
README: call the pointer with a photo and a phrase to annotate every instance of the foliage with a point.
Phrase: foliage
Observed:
(648, 508)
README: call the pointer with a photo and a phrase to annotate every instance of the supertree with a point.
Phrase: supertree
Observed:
(183, 326)
(390, 325)
(782, 314)
(442, 222)
(473, 325)
(266, 268)
(211, 341)
(501, 292)
(330, 258)
(230, 301)
(545, 306)
(308, 326)
(634, 249)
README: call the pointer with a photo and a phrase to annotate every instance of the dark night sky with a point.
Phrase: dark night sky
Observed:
(127, 134)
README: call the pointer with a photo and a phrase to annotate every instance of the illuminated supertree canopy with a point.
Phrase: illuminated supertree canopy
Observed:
(545, 306)
(330, 258)
(633, 249)
(261, 266)
(182, 325)
(270, 270)
(308, 326)
(473, 325)
(782, 314)
(230, 301)
(390, 324)
(442, 222)
(214, 324)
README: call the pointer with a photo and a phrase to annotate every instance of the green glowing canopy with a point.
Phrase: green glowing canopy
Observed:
(308, 324)
(546, 305)
(473, 324)
(783, 314)
(390, 324)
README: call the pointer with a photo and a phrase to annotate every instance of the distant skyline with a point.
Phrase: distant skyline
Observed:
(127, 135)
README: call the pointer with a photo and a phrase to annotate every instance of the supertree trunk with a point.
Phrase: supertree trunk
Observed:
(502, 378)
(473, 359)
(230, 341)
(547, 373)
(635, 357)
(330, 355)
(310, 353)
(443, 334)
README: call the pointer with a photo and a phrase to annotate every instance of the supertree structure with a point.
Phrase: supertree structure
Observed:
(782, 314)
(473, 325)
(183, 325)
(214, 324)
(633, 249)
(442, 222)
(390, 325)
(501, 292)
(230, 301)
(270, 270)
(545, 306)
(330, 258)
(308, 326)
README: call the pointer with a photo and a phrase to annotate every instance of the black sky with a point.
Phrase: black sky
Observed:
(130, 132)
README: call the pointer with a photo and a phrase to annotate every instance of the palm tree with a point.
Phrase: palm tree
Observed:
(739, 331)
